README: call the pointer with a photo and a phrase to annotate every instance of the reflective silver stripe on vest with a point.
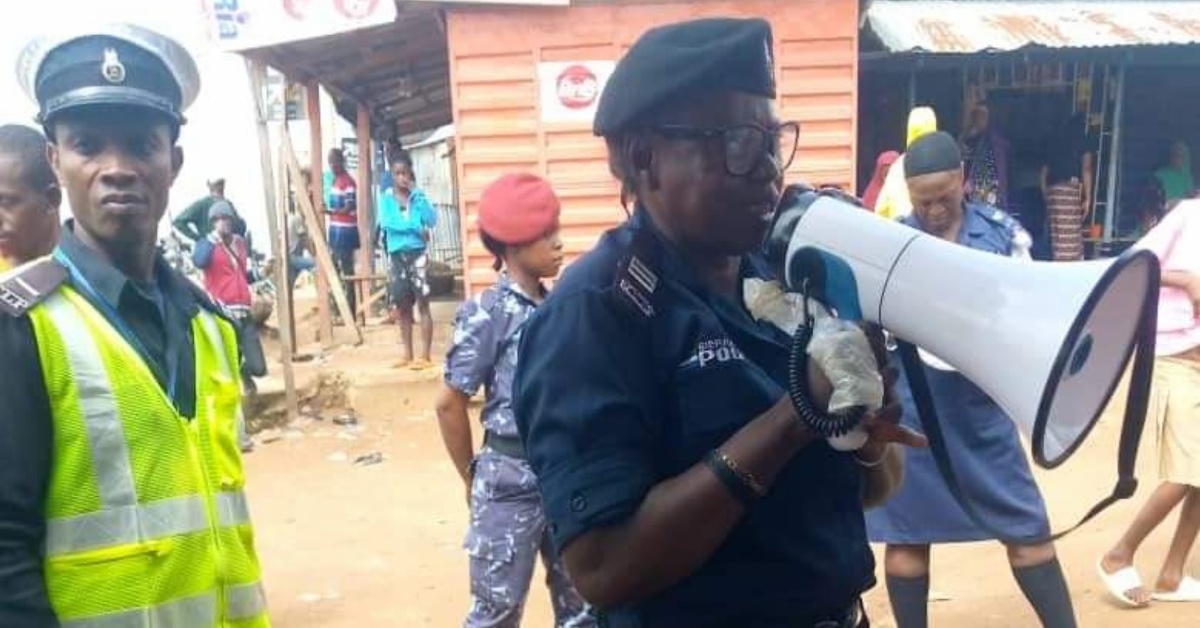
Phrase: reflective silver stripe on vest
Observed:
(98, 404)
(209, 323)
(191, 612)
(245, 601)
(126, 525)
(232, 509)
(213, 331)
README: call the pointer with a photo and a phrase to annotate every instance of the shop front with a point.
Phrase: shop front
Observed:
(525, 82)
(1021, 84)
(520, 81)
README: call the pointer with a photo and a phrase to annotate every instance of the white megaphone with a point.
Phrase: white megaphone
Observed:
(1049, 342)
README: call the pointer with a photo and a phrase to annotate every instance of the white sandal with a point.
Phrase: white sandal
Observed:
(1187, 591)
(1123, 580)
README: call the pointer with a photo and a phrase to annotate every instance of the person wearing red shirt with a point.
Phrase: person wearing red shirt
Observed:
(341, 203)
(222, 256)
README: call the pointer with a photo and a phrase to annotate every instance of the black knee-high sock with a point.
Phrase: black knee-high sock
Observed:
(910, 600)
(1046, 589)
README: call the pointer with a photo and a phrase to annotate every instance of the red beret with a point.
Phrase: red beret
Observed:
(518, 208)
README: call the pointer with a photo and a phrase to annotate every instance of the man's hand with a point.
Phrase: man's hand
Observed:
(883, 426)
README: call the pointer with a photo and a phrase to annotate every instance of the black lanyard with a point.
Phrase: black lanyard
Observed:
(118, 322)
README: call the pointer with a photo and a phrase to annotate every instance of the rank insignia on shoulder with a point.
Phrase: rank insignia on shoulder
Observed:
(637, 278)
(634, 295)
(29, 284)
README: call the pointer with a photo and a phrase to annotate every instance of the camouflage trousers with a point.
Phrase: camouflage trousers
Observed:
(507, 533)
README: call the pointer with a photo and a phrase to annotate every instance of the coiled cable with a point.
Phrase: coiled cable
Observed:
(824, 424)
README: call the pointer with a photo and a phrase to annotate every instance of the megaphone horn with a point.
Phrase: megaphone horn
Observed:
(1049, 342)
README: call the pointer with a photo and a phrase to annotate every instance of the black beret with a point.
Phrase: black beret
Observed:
(667, 62)
(117, 65)
(934, 152)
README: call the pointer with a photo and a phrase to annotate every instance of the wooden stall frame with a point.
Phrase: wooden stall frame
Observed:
(317, 183)
(277, 225)
(366, 208)
(325, 265)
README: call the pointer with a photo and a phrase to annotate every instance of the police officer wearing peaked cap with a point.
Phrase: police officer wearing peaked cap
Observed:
(121, 481)
(681, 488)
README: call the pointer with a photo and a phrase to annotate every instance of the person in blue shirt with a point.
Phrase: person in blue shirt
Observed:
(405, 220)
(990, 466)
(680, 485)
(518, 223)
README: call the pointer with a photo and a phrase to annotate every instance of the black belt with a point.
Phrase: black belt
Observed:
(510, 446)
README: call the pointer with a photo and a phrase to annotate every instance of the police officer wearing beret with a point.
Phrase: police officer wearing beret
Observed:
(681, 487)
(121, 483)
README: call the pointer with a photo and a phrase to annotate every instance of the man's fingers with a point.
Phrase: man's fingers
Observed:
(900, 435)
(910, 438)
(887, 415)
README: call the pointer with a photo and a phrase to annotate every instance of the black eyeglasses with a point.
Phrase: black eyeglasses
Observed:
(745, 144)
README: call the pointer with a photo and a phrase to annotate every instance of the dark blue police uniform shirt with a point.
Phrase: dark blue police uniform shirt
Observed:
(616, 394)
(984, 228)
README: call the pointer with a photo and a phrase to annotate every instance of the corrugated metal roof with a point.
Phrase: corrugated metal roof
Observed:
(941, 26)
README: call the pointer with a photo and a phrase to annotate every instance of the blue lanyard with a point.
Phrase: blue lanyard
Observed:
(118, 321)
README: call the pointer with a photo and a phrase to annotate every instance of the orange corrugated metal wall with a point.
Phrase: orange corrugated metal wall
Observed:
(494, 54)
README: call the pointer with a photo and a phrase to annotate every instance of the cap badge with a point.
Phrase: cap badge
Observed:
(113, 70)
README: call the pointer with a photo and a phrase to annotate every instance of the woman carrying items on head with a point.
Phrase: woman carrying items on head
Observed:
(893, 200)
(405, 219)
(680, 485)
(1176, 242)
(518, 223)
(883, 165)
(991, 467)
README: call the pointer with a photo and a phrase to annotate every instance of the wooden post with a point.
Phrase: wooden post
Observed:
(366, 208)
(283, 301)
(321, 246)
(288, 187)
(317, 165)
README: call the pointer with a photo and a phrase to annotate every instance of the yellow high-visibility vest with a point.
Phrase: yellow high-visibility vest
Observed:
(147, 524)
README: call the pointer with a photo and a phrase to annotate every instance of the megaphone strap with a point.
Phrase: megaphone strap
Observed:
(1131, 432)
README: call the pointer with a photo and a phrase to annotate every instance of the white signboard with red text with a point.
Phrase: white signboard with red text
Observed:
(569, 91)
(235, 25)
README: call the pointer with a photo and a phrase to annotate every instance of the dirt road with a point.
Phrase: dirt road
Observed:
(348, 546)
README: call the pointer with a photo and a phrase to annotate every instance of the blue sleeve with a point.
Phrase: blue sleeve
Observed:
(425, 209)
(202, 254)
(584, 398)
(472, 353)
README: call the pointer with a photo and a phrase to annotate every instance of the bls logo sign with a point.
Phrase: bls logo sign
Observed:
(717, 351)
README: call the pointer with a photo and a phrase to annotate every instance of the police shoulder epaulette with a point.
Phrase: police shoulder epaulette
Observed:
(27, 285)
(637, 274)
